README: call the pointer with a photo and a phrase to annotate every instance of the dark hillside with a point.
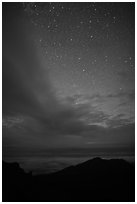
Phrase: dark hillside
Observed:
(93, 180)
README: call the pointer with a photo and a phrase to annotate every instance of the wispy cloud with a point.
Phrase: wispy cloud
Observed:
(30, 101)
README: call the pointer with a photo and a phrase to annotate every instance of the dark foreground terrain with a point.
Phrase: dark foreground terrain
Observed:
(94, 180)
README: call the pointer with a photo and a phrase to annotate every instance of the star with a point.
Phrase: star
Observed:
(84, 52)
(76, 103)
(78, 26)
(81, 22)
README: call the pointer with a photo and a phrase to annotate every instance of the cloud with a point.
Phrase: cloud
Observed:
(129, 95)
(9, 122)
(32, 114)
(26, 86)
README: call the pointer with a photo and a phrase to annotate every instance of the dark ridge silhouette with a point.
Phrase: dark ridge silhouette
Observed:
(96, 180)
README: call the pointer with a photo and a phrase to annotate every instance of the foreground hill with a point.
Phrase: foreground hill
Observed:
(94, 180)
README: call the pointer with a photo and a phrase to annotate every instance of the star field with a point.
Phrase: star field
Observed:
(68, 75)
(87, 41)
(89, 46)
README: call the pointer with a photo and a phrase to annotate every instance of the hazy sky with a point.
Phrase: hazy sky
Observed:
(68, 75)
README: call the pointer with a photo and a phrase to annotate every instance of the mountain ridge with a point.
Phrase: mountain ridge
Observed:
(93, 180)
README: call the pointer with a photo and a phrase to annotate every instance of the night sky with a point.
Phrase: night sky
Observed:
(68, 78)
